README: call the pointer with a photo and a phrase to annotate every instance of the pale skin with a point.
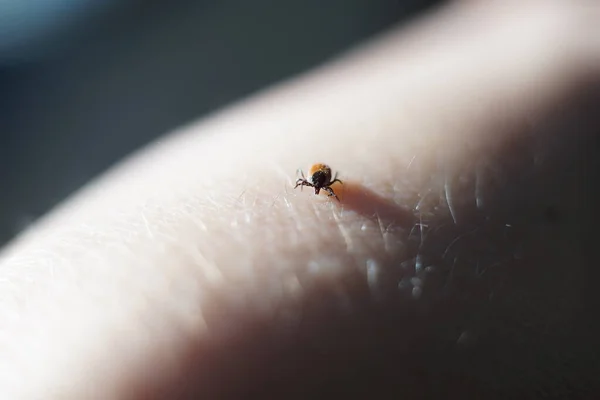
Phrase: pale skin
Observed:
(195, 269)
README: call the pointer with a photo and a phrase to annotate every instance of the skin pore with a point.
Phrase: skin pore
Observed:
(455, 262)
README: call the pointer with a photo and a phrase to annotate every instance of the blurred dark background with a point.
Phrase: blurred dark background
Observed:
(83, 83)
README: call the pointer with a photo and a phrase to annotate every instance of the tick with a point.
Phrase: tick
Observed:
(319, 177)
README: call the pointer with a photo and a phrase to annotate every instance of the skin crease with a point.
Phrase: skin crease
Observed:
(457, 263)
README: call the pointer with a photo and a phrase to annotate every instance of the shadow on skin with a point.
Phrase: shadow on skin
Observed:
(360, 199)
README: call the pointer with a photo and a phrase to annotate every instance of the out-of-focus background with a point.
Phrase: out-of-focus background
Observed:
(83, 83)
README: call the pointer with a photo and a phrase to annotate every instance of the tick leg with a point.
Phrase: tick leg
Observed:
(302, 182)
(335, 179)
(331, 192)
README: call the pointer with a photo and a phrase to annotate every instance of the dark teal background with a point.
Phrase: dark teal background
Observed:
(83, 83)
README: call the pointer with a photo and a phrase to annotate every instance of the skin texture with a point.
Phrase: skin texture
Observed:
(459, 261)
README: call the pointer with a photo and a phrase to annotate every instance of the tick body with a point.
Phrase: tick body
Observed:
(319, 178)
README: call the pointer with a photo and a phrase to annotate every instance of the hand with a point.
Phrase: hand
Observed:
(455, 264)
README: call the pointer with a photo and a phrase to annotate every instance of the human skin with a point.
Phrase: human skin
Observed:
(459, 261)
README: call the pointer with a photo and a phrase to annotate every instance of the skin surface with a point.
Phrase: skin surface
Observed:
(459, 261)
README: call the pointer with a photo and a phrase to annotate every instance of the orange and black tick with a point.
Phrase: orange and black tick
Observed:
(319, 177)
